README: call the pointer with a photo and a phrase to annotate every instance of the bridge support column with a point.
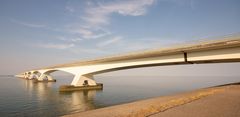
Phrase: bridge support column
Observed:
(32, 76)
(82, 82)
(23, 76)
(27, 76)
(45, 78)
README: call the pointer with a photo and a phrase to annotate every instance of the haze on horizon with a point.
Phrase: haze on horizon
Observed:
(36, 34)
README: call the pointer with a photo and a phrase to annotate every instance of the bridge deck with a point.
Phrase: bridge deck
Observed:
(209, 45)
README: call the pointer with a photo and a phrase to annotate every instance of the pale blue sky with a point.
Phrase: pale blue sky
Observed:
(40, 33)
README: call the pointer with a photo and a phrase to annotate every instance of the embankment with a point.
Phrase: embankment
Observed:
(221, 101)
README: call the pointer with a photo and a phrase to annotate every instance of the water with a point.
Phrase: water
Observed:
(19, 97)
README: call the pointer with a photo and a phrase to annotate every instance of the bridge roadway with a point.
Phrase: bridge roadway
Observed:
(215, 51)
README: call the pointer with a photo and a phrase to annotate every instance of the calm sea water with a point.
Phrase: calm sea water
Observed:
(19, 97)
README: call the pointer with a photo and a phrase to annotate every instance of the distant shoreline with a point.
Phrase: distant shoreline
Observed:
(6, 75)
(189, 102)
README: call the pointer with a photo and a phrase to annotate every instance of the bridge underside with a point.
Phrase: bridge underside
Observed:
(83, 75)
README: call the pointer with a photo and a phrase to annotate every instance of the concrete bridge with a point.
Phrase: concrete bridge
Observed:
(217, 51)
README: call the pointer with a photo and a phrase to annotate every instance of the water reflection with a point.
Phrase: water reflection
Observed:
(31, 85)
(81, 100)
(20, 97)
(44, 95)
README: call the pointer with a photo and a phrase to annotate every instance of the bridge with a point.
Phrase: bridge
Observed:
(215, 51)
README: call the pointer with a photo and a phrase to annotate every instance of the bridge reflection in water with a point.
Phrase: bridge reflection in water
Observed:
(45, 95)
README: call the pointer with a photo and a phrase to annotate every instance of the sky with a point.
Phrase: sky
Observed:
(40, 33)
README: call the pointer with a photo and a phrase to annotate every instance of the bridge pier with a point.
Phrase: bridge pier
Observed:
(32, 76)
(45, 78)
(26, 75)
(82, 82)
